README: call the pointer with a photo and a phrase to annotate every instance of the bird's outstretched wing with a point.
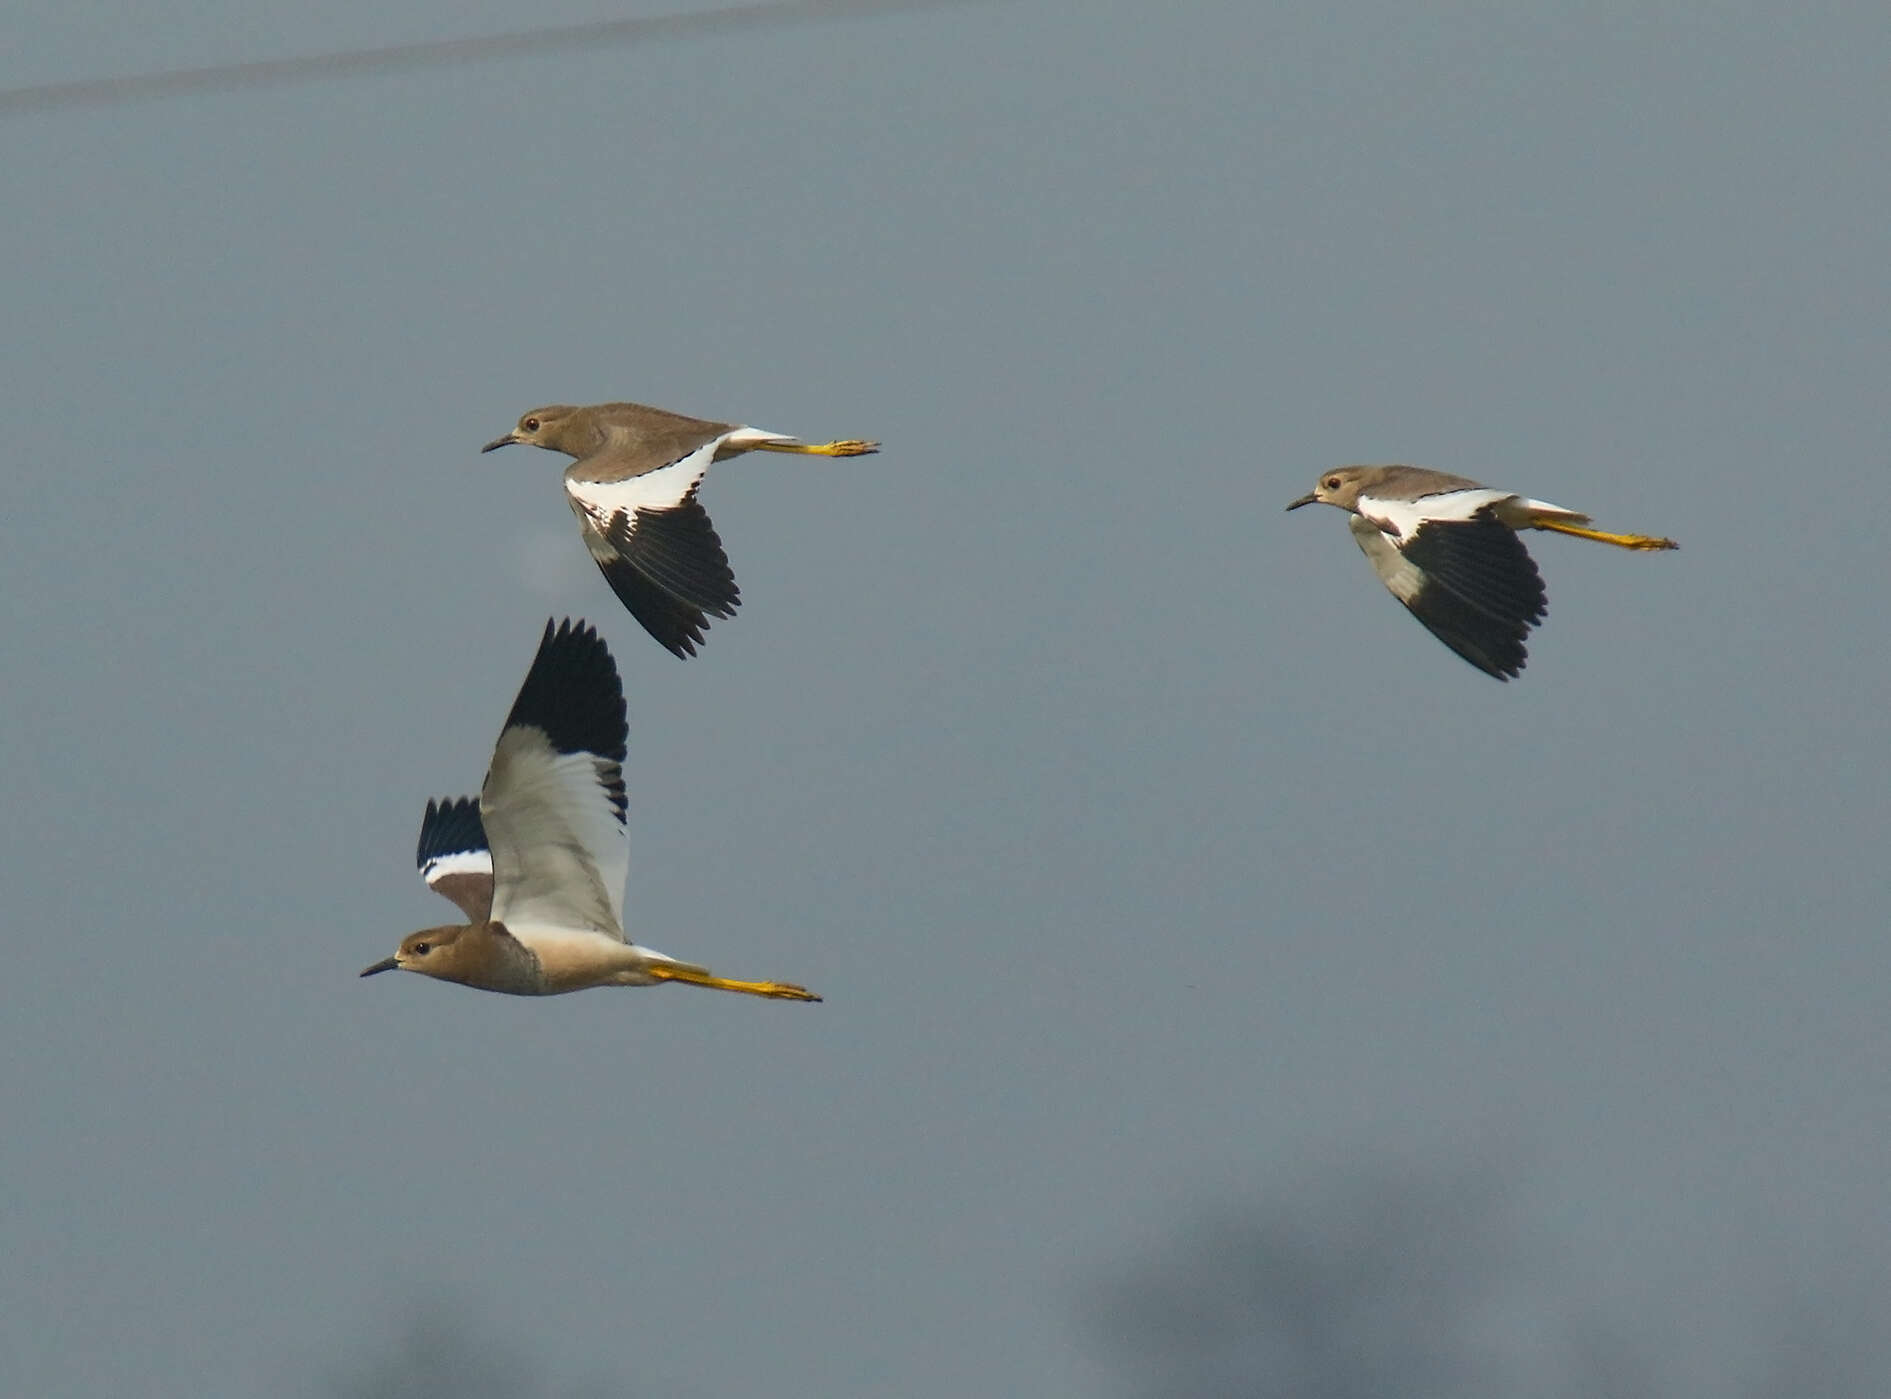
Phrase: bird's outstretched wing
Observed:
(654, 542)
(453, 856)
(1470, 582)
(553, 801)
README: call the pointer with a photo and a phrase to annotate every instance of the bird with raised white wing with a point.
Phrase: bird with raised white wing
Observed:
(1447, 548)
(633, 488)
(538, 864)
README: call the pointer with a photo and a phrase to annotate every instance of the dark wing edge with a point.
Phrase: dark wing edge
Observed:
(572, 694)
(1484, 562)
(1470, 583)
(1493, 646)
(679, 551)
(1481, 592)
(453, 857)
(668, 569)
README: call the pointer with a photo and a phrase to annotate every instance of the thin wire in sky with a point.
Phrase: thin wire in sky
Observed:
(225, 77)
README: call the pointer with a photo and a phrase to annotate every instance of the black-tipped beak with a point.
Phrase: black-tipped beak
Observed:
(499, 442)
(1310, 498)
(391, 964)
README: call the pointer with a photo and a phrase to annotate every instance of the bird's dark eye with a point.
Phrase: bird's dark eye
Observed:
(531, 424)
(420, 949)
(1332, 483)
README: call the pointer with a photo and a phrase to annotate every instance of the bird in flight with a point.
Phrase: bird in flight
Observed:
(538, 863)
(633, 488)
(1448, 549)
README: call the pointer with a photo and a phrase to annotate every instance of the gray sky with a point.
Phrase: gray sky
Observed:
(1152, 861)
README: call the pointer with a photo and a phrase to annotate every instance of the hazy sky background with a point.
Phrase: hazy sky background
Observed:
(1159, 871)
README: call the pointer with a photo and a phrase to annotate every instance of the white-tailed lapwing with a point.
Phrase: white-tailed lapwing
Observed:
(538, 864)
(1448, 549)
(633, 489)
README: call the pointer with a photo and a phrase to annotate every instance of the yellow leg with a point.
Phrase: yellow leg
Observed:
(848, 448)
(1621, 541)
(696, 976)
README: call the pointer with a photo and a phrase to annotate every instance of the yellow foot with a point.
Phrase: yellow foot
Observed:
(1621, 541)
(851, 447)
(695, 976)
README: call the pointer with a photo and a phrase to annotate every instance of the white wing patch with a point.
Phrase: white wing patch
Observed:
(1403, 577)
(560, 852)
(598, 502)
(1401, 518)
(465, 879)
(461, 862)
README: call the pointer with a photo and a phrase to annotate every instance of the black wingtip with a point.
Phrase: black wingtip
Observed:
(450, 827)
(680, 552)
(668, 569)
(1494, 645)
(675, 624)
(1482, 592)
(572, 693)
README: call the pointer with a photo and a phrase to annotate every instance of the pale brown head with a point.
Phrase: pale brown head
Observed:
(557, 427)
(448, 953)
(1340, 486)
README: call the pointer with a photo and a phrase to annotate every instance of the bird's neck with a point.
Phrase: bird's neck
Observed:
(500, 962)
